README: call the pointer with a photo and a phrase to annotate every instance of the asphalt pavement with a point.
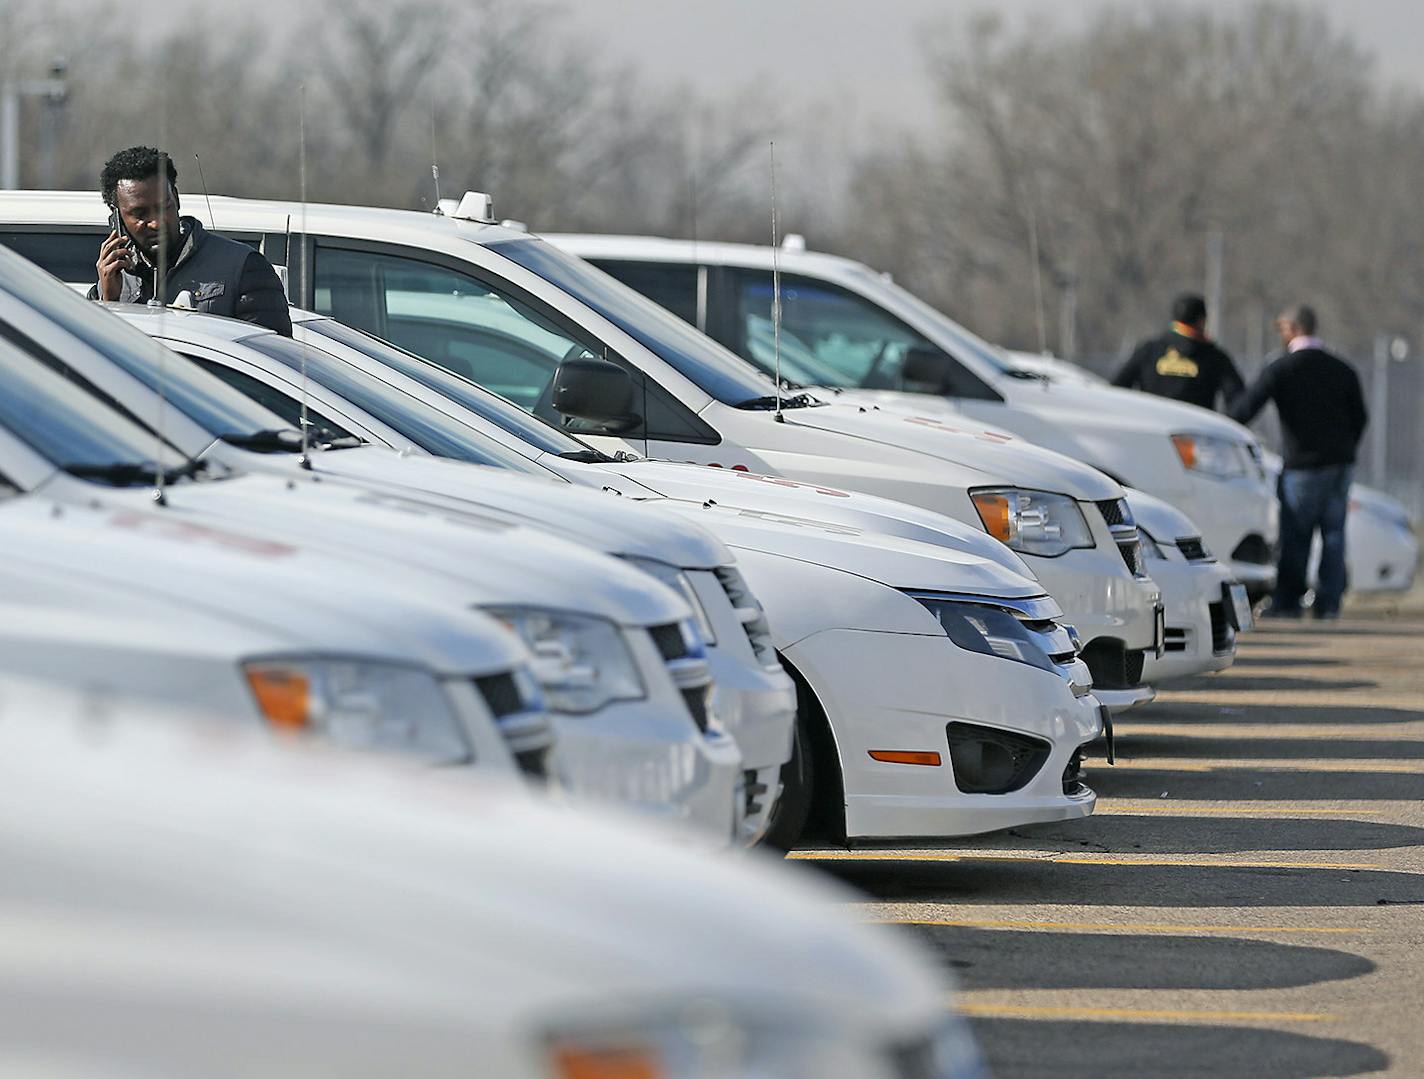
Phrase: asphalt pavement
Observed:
(1248, 899)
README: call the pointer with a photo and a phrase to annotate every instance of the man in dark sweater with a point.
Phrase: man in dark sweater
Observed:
(1183, 364)
(1322, 413)
(220, 276)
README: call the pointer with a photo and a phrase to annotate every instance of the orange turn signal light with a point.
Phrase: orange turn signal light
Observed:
(283, 695)
(578, 1063)
(994, 512)
(905, 756)
(1186, 450)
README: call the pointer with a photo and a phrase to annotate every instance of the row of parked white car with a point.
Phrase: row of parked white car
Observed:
(465, 516)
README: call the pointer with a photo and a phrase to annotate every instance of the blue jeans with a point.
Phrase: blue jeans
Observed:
(1313, 499)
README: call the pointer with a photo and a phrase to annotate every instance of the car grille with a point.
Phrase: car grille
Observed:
(1193, 549)
(525, 731)
(749, 613)
(752, 792)
(1175, 639)
(1254, 549)
(1115, 512)
(1118, 517)
(690, 672)
(1112, 664)
(1073, 774)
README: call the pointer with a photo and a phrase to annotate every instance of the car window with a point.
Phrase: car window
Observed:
(464, 391)
(425, 425)
(270, 398)
(835, 330)
(669, 285)
(482, 332)
(69, 256)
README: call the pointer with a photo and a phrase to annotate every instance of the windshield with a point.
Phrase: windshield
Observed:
(426, 426)
(698, 358)
(959, 340)
(489, 406)
(70, 428)
(205, 400)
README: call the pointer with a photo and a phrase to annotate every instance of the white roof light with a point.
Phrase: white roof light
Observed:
(793, 241)
(473, 206)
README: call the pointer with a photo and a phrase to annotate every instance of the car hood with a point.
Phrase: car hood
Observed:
(888, 560)
(1003, 460)
(294, 875)
(271, 595)
(773, 497)
(1075, 404)
(426, 549)
(594, 519)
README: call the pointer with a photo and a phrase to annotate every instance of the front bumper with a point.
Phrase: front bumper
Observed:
(1201, 634)
(1239, 520)
(935, 685)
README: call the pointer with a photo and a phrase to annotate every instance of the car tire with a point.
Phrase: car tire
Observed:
(798, 791)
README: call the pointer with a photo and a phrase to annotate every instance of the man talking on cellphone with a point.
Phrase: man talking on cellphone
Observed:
(219, 276)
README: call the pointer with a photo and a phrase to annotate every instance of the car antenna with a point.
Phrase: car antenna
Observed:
(212, 224)
(305, 460)
(434, 160)
(160, 300)
(775, 287)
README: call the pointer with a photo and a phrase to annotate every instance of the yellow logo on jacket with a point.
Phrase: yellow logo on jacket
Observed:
(1172, 364)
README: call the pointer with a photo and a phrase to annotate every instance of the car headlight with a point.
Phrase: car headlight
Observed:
(360, 705)
(993, 631)
(1150, 546)
(680, 583)
(1213, 456)
(582, 662)
(1033, 522)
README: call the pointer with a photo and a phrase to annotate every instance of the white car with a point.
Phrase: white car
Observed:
(880, 760)
(177, 903)
(1206, 606)
(127, 608)
(864, 329)
(756, 700)
(425, 281)
(618, 656)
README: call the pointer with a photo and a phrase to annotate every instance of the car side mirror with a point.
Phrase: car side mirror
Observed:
(928, 365)
(595, 391)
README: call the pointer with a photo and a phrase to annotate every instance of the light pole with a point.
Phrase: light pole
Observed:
(1387, 347)
(53, 90)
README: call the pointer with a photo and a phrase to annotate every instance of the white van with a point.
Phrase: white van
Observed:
(427, 282)
(855, 328)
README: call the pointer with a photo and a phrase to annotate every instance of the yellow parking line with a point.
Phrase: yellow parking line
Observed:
(1129, 927)
(1270, 764)
(1264, 732)
(1056, 859)
(1112, 808)
(1010, 1011)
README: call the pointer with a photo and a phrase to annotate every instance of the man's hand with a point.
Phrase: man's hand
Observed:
(115, 256)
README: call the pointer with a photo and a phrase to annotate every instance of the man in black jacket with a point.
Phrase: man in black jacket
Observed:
(1183, 364)
(1322, 413)
(220, 276)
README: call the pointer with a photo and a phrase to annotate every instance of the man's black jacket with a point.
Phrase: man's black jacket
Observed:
(1320, 404)
(1190, 369)
(222, 276)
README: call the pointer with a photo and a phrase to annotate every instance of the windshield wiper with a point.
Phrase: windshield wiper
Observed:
(287, 440)
(1027, 376)
(133, 473)
(586, 457)
(800, 400)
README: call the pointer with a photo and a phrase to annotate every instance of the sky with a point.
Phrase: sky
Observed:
(827, 50)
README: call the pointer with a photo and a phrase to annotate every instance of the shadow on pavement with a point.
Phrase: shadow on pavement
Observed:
(1243, 747)
(1004, 882)
(1015, 959)
(1028, 1049)
(1310, 663)
(1270, 683)
(1187, 712)
(1132, 834)
(1248, 785)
